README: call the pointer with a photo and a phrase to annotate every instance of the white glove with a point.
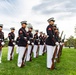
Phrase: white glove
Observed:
(57, 43)
(2, 43)
(61, 43)
(38, 42)
(44, 43)
(32, 43)
(28, 42)
(13, 43)
(12, 39)
(25, 37)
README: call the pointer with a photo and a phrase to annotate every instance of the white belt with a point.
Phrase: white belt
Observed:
(25, 37)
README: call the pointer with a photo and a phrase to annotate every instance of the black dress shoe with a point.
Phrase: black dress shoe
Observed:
(48, 68)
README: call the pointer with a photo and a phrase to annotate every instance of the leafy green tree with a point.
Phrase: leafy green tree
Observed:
(6, 42)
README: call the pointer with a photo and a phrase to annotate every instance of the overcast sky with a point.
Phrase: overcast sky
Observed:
(36, 12)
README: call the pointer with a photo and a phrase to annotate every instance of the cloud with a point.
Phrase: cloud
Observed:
(7, 7)
(12, 12)
(50, 7)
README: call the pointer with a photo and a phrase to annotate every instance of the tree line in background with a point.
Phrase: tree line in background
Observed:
(6, 42)
(70, 42)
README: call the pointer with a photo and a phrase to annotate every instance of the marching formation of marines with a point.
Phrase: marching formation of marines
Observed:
(29, 45)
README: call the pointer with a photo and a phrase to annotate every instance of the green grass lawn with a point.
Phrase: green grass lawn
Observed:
(67, 66)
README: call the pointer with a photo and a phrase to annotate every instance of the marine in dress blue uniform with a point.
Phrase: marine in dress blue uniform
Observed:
(36, 44)
(11, 43)
(30, 43)
(1, 40)
(57, 41)
(50, 42)
(22, 44)
(41, 39)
